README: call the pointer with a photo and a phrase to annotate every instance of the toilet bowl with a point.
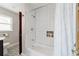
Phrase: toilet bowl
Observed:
(6, 47)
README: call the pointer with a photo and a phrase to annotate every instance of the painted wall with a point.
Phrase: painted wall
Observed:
(13, 35)
(44, 21)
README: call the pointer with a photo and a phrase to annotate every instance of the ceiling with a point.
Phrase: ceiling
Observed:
(35, 5)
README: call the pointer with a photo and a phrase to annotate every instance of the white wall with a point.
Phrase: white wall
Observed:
(43, 22)
(13, 35)
(15, 7)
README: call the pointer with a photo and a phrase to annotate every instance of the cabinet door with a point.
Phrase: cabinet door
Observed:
(1, 47)
(77, 32)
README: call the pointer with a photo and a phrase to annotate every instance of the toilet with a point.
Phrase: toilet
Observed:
(5, 45)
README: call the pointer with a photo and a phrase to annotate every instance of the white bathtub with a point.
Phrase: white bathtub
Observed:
(39, 50)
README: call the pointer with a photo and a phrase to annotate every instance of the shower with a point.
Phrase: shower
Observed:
(42, 30)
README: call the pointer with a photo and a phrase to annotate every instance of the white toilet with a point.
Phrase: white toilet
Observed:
(5, 45)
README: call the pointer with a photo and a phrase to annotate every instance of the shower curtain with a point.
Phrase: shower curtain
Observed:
(65, 29)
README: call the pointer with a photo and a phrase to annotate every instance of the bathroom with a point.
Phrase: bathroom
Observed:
(40, 16)
(42, 29)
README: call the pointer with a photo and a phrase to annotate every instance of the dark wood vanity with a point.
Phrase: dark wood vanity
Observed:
(1, 47)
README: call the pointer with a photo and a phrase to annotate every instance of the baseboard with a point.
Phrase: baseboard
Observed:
(22, 54)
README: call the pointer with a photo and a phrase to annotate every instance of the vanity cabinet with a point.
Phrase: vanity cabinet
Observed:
(1, 47)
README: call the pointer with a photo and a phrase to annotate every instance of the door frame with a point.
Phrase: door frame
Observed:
(20, 33)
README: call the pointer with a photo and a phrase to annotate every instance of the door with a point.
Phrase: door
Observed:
(20, 32)
(77, 32)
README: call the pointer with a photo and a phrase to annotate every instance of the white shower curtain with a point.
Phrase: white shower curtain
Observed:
(65, 29)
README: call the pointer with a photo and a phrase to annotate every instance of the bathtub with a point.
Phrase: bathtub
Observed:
(39, 50)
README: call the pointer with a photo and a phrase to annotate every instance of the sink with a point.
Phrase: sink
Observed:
(2, 38)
